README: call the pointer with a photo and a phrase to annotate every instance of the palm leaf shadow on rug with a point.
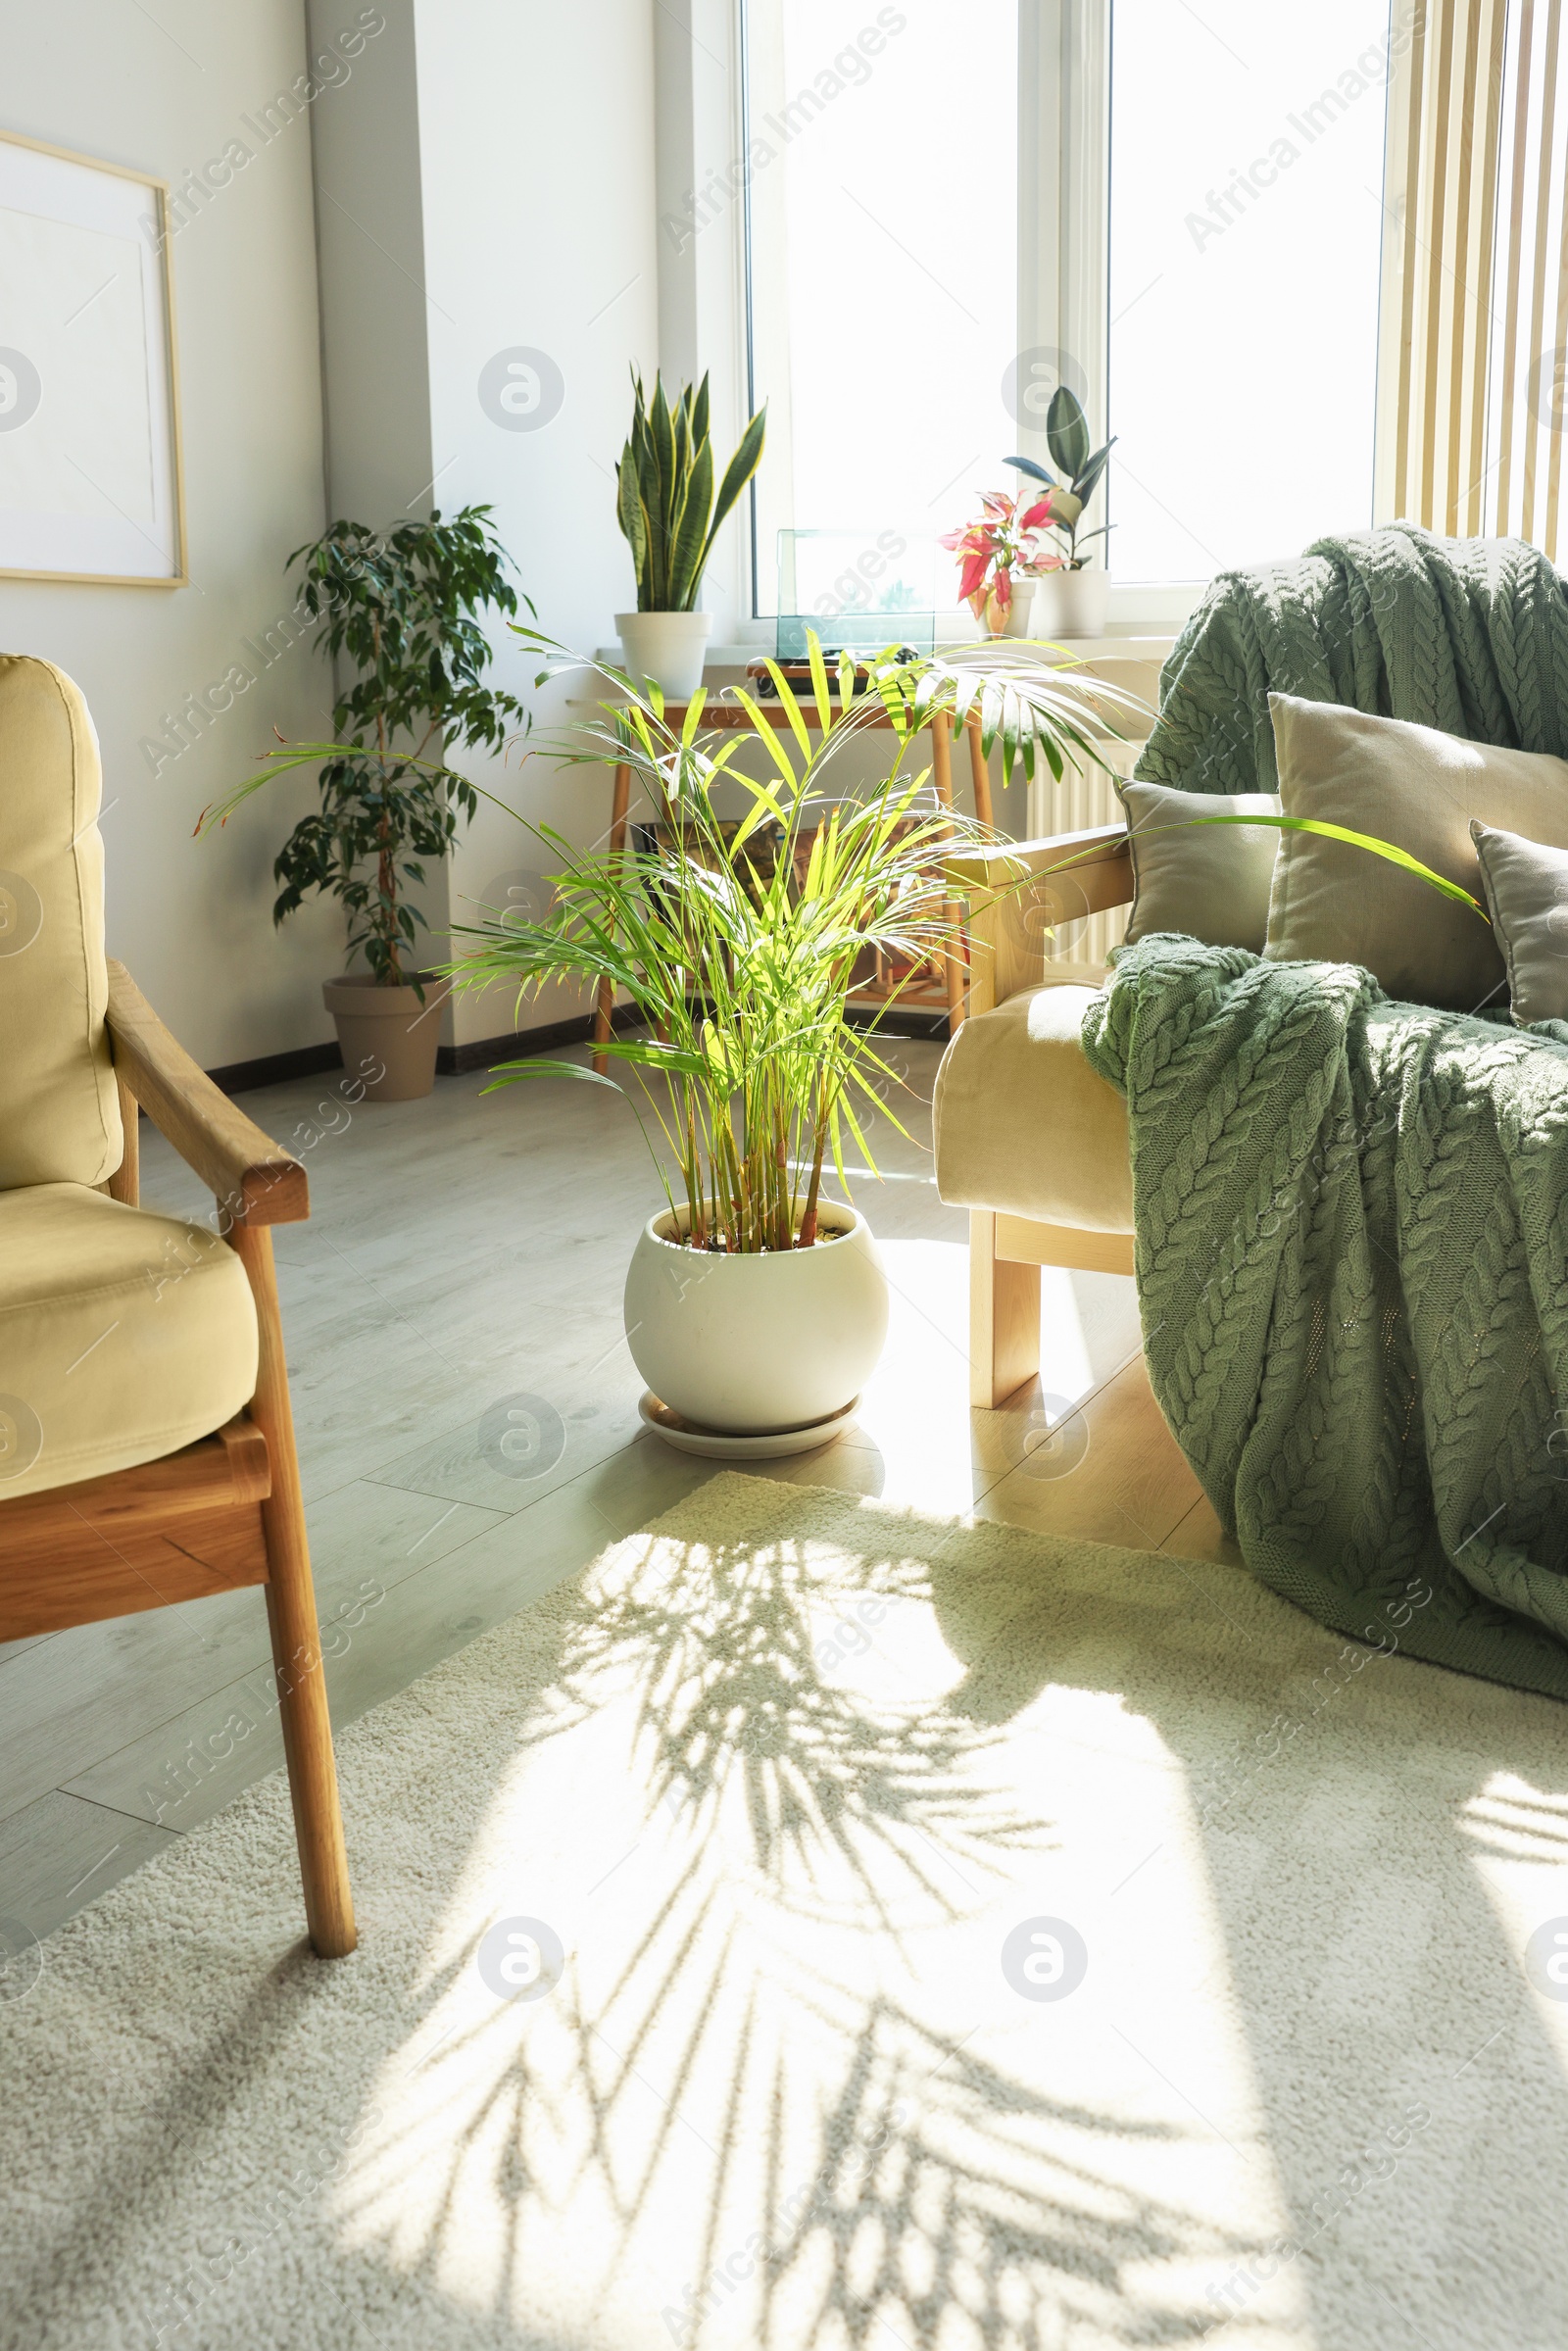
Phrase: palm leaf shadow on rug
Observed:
(750, 1810)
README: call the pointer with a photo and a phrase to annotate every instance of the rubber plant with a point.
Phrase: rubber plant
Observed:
(1080, 468)
(402, 608)
(664, 499)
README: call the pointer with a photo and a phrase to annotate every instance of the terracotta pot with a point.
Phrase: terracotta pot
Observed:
(388, 1038)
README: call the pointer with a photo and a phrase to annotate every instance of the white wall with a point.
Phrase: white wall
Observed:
(536, 137)
(483, 179)
(193, 918)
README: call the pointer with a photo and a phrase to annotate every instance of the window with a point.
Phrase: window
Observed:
(1178, 211)
(883, 281)
(1245, 235)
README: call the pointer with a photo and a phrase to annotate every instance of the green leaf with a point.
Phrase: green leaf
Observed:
(820, 685)
(1367, 840)
(1067, 431)
(516, 1073)
(694, 712)
(767, 735)
(791, 709)
(1087, 482)
(685, 565)
(737, 473)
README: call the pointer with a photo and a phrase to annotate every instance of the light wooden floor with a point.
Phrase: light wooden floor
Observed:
(463, 1253)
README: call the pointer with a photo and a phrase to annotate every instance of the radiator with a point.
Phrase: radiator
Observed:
(1084, 797)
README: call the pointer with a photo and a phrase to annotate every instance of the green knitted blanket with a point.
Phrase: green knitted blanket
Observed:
(1352, 1214)
(1469, 635)
(1352, 1264)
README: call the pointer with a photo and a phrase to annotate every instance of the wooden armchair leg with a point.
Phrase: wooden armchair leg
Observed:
(296, 1635)
(1003, 1317)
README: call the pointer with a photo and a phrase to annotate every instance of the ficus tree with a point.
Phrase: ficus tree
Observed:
(401, 609)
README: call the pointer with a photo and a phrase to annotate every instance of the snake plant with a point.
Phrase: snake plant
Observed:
(665, 493)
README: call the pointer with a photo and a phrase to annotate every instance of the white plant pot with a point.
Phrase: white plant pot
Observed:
(666, 646)
(750, 1345)
(1072, 604)
(1020, 620)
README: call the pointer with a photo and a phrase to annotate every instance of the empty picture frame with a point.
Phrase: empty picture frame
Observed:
(90, 409)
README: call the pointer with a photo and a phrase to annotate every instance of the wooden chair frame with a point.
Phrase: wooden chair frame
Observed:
(225, 1511)
(1006, 922)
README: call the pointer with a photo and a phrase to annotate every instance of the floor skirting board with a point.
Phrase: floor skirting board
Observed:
(311, 1061)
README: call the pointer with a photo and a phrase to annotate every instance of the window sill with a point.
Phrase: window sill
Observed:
(1118, 643)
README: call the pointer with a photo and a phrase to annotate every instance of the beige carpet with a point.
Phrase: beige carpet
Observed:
(940, 1936)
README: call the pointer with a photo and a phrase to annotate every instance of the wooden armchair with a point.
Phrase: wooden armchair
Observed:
(146, 1440)
(1030, 1138)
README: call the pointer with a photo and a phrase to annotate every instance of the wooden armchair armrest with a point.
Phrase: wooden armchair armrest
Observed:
(1101, 850)
(1021, 892)
(253, 1181)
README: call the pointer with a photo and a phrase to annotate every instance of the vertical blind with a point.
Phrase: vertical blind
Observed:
(1474, 358)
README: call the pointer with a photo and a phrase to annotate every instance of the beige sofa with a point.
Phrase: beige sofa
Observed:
(1029, 1138)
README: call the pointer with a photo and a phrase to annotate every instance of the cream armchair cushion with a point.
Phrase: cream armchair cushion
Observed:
(1023, 1125)
(58, 1110)
(124, 1336)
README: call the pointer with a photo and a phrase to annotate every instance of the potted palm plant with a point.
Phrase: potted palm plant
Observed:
(1070, 599)
(402, 607)
(665, 507)
(756, 1306)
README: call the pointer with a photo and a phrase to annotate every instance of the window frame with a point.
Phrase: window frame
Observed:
(1064, 154)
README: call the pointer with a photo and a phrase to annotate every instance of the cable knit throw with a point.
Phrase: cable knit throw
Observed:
(1352, 1214)
(1469, 635)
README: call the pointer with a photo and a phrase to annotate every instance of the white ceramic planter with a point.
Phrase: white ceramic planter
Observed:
(1072, 604)
(750, 1345)
(1021, 612)
(666, 646)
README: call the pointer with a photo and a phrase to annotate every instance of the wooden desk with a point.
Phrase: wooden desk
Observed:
(719, 714)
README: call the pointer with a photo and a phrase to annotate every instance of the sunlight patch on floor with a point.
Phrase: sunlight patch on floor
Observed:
(785, 2089)
(1519, 1838)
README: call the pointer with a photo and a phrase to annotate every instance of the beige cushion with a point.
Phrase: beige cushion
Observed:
(1418, 789)
(59, 1113)
(1526, 892)
(1210, 881)
(123, 1336)
(1023, 1125)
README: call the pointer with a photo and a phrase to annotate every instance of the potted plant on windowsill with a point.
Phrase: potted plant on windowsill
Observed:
(402, 607)
(999, 555)
(665, 507)
(756, 1306)
(1070, 597)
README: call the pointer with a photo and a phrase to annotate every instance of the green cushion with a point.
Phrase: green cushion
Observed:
(1526, 886)
(1210, 881)
(1419, 789)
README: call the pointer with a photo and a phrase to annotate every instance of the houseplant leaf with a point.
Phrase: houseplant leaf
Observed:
(1067, 431)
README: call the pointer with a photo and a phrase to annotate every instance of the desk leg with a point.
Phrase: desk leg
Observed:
(942, 776)
(617, 841)
(980, 769)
